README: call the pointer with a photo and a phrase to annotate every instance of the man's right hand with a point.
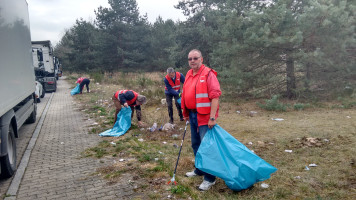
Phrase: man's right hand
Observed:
(186, 119)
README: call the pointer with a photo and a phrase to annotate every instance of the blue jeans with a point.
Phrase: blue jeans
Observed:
(197, 134)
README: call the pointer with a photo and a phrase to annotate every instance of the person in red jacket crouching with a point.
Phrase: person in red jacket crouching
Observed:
(129, 98)
(200, 103)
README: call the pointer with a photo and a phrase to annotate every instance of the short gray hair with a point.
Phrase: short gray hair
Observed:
(141, 99)
(170, 70)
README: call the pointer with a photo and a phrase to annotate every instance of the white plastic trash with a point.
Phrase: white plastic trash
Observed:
(264, 185)
(277, 119)
(288, 151)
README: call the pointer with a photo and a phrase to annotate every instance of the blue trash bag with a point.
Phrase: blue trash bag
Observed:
(76, 90)
(221, 155)
(122, 124)
(179, 101)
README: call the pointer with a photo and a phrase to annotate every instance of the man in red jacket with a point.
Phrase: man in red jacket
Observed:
(200, 103)
(129, 98)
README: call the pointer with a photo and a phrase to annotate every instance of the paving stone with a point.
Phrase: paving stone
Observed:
(56, 169)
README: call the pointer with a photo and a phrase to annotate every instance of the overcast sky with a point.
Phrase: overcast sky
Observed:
(50, 18)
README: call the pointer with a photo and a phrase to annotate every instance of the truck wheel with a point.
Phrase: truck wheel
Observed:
(32, 118)
(8, 162)
(43, 92)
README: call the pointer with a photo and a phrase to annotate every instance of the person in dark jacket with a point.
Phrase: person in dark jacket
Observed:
(173, 81)
(129, 98)
(83, 81)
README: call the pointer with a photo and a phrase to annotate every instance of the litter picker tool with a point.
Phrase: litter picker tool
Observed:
(173, 180)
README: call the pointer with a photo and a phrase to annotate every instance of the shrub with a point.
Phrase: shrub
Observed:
(300, 106)
(273, 104)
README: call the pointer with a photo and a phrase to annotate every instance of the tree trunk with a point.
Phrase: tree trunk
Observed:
(307, 77)
(291, 86)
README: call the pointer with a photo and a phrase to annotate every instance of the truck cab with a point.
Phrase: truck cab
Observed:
(43, 60)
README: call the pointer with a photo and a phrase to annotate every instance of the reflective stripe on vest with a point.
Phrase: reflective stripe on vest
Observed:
(203, 103)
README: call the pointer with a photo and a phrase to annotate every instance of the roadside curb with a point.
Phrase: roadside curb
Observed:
(15, 183)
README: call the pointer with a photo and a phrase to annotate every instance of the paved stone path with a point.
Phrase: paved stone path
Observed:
(55, 169)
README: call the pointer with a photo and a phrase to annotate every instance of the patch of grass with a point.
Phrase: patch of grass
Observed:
(300, 106)
(180, 190)
(273, 104)
(99, 152)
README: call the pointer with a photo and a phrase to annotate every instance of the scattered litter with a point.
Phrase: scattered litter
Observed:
(180, 129)
(160, 129)
(310, 142)
(271, 143)
(169, 196)
(306, 168)
(277, 119)
(313, 165)
(238, 112)
(348, 117)
(326, 140)
(160, 152)
(142, 129)
(168, 127)
(95, 123)
(141, 140)
(253, 151)
(154, 127)
(164, 142)
(122, 160)
(163, 101)
(175, 145)
(288, 151)
(156, 159)
(62, 142)
(264, 185)
(101, 116)
(97, 83)
(249, 143)
(89, 119)
(297, 177)
(157, 109)
(175, 136)
(113, 143)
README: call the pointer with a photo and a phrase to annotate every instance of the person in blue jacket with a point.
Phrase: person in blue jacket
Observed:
(173, 81)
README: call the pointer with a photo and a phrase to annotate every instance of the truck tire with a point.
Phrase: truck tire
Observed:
(8, 162)
(32, 118)
(43, 92)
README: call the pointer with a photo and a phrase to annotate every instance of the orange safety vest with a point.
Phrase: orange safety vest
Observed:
(176, 85)
(203, 102)
(131, 102)
(80, 80)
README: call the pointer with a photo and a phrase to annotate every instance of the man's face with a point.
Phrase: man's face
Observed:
(195, 60)
(172, 75)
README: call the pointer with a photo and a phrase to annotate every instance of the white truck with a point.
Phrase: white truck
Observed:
(44, 62)
(17, 80)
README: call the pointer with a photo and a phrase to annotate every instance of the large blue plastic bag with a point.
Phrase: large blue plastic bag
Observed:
(221, 155)
(122, 124)
(75, 90)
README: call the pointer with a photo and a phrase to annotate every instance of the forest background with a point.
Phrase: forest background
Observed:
(292, 48)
